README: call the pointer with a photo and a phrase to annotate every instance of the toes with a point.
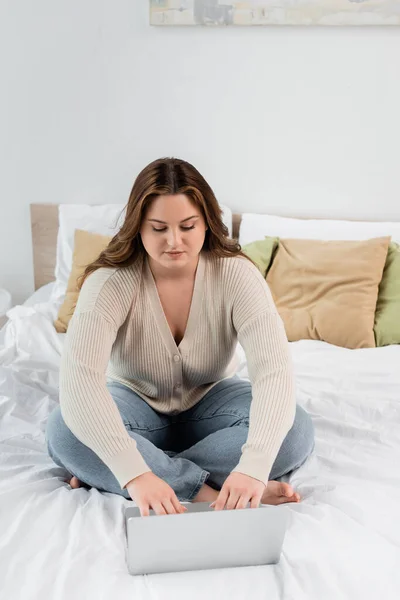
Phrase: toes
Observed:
(286, 490)
(285, 499)
(293, 498)
(288, 493)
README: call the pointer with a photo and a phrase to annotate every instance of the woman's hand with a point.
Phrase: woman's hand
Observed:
(238, 490)
(150, 491)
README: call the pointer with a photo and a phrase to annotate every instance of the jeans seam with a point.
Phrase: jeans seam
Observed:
(215, 390)
(189, 420)
(147, 428)
(218, 414)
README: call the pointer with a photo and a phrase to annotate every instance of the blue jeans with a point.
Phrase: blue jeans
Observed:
(202, 444)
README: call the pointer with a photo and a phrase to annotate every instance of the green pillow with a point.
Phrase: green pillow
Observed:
(262, 253)
(387, 314)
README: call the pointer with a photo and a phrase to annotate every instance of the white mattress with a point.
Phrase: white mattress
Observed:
(343, 539)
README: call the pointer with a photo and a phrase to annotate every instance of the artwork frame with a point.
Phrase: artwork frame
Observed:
(274, 12)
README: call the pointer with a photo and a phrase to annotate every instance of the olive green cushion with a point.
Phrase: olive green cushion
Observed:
(387, 314)
(262, 252)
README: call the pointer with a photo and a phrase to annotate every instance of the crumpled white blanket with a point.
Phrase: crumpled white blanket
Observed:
(343, 539)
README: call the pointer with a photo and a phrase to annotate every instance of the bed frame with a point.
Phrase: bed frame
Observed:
(44, 225)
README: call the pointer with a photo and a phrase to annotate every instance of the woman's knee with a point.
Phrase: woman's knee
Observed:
(59, 438)
(300, 439)
(296, 447)
(298, 443)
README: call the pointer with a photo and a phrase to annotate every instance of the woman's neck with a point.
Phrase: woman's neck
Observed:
(163, 275)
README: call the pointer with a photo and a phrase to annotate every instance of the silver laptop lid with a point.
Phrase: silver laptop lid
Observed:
(203, 538)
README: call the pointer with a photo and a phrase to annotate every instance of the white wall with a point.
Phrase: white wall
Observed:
(286, 120)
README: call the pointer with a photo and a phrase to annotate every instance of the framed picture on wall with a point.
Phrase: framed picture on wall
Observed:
(275, 12)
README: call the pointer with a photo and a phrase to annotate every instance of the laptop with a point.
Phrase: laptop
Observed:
(203, 538)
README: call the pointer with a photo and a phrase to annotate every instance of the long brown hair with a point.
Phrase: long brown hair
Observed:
(165, 176)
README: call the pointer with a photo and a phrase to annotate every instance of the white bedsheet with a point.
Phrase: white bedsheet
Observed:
(343, 539)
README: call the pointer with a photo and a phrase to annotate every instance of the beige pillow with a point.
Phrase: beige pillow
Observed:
(327, 290)
(87, 247)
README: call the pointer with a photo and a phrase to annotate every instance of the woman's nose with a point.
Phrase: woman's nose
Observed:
(174, 238)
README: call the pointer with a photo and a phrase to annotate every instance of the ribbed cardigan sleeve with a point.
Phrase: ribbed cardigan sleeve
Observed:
(87, 406)
(261, 333)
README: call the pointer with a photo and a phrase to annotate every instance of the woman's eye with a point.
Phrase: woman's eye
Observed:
(184, 228)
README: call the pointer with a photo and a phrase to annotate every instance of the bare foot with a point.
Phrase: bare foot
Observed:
(74, 482)
(206, 494)
(278, 492)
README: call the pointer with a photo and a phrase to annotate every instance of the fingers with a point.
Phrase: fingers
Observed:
(235, 501)
(221, 500)
(173, 506)
(243, 502)
(178, 506)
(144, 510)
(167, 507)
(159, 509)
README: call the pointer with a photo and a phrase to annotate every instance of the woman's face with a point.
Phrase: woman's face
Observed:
(173, 223)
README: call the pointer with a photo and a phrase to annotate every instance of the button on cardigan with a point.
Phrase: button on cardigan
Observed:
(119, 332)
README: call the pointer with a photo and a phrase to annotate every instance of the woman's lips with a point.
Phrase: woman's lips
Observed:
(174, 254)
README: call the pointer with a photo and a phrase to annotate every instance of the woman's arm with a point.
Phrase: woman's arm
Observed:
(87, 406)
(262, 335)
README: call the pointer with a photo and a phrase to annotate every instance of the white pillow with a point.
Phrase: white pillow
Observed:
(100, 218)
(227, 217)
(255, 226)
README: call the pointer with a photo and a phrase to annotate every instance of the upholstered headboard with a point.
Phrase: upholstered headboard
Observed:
(44, 225)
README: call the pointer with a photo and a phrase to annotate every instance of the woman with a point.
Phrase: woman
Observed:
(150, 405)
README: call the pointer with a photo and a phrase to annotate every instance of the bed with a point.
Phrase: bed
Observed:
(343, 539)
